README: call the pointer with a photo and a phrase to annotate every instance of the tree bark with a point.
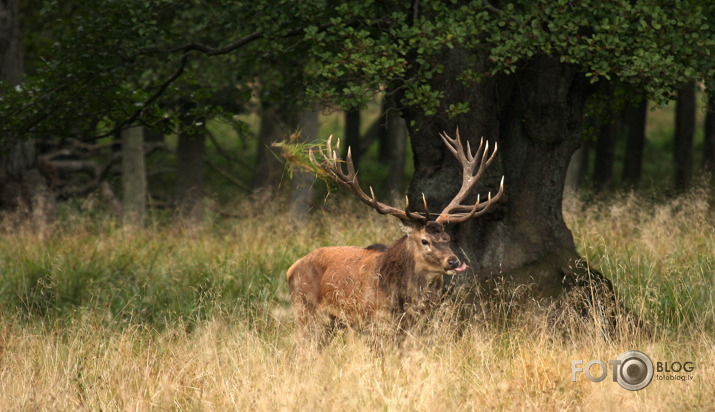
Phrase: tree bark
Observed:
(576, 172)
(133, 178)
(610, 127)
(22, 186)
(605, 147)
(352, 135)
(684, 131)
(383, 136)
(189, 183)
(635, 118)
(396, 142)
(536, 117)
(301, 198)
(11, 63)
(269, 167)
(709, 144)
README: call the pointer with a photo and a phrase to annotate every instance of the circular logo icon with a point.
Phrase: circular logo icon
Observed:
(635, 371)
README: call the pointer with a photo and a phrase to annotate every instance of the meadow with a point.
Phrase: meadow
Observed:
(98, 318)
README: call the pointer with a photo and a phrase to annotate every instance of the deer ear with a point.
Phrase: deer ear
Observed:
(407, 227)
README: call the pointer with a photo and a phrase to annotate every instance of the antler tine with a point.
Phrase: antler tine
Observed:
(329, 149)
(311, 156)
(478, 154)
(471, 163)
(413, 215)
(332, 167)
(460, 150)
(373, 199)
(449, 142)
(334, 152)
(494, 153)
(424, 201)
(351, 166)
(479, 208)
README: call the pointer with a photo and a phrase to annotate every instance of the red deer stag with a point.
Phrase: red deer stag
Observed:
(355, 286)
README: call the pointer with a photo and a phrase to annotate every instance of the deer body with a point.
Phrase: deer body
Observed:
(336, 282)
(358, 286)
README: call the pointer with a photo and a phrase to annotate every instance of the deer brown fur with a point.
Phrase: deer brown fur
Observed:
(356, 286)
(398, 284)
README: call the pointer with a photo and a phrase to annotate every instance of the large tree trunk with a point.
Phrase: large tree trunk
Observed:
(635, 117)
(133, 177)
(535, 116)
(684, 131)
(189, 183)
(22, 186)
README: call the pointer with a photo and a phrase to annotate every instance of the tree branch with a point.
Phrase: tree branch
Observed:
(225, 153)
(490, 7)
(216, 51)
(210, 51)
(159, 91)
(228, 177)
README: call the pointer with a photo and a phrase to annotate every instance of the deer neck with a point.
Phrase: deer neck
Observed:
(396, 262)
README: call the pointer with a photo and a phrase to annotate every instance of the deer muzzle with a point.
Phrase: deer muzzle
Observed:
(456, 266)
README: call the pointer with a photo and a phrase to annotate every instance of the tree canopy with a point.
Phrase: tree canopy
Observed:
(96, 65)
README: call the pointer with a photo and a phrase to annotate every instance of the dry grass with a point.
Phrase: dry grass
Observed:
(227, 365)
(81, 357)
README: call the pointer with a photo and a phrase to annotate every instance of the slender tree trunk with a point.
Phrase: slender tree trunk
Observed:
(269, 167)
(635, 118)
(684, 130)
(603, 163)
(383, 134)
(11, 64)
(536, 117)
(709, 145)
(352, 135)
(189, 183)
(396, 141)
(133, 177)
(301, 198)
(22, 186)
(576, 172)
(609, 128)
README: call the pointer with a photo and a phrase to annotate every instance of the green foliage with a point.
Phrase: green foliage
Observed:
(99, 64)
(95, 64)
(653, 45)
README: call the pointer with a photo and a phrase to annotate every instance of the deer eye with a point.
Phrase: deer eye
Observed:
(424, 242)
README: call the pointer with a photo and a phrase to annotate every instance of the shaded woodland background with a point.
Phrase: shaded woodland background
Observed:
(216, 142)
(660, 150)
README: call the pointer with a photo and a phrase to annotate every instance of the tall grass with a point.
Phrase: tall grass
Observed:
(97, 318)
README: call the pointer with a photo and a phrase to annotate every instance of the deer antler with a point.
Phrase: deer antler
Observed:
(455, 212)
(332, 167)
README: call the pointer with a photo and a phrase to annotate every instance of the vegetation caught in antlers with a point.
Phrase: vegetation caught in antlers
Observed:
(473, 167)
